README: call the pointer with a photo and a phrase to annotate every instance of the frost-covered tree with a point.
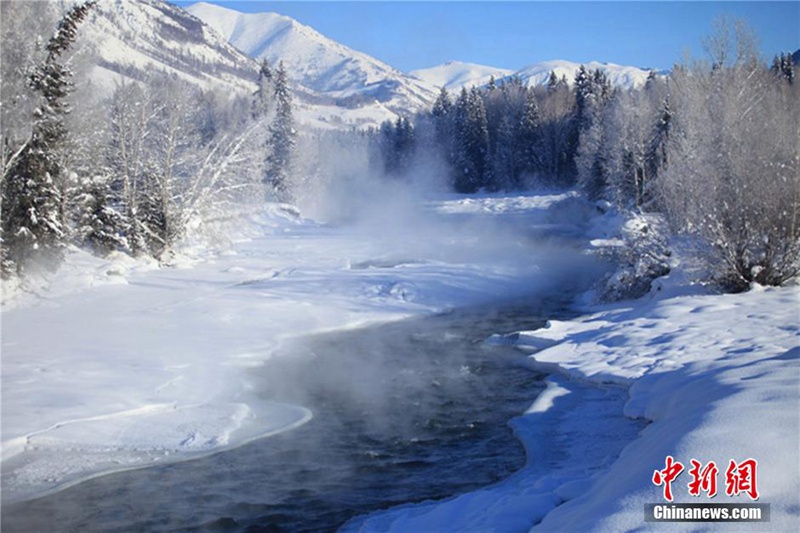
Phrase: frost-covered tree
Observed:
(131, 117)
(732, 178)
(558, 133)
(24, 30)
(592, 93)
(32, 218)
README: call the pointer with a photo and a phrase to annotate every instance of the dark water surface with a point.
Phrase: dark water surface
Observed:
(402, 412)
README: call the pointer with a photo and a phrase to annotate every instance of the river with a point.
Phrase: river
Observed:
(403, 412)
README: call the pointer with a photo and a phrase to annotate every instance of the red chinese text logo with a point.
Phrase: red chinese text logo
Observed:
(739, 478)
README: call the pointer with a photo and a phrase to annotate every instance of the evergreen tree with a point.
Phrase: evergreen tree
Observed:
(442, 113)
(282, 140)
(404, 143)
(656, 158)
(32, 225)
(592, 93)
(471, 143)
(783, 67)
(528, 138)
(265, 93)
(552, 81)
(100, 225)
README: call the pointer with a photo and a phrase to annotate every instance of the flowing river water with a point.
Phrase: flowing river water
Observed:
(403, 412)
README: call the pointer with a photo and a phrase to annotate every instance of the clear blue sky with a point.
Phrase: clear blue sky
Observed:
(410, 35)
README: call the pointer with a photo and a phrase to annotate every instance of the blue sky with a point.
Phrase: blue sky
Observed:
(410, 35)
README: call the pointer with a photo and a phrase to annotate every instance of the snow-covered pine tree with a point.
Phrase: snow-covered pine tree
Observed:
(282, 140)
(558, 133)
(404, 143)
(32, 229)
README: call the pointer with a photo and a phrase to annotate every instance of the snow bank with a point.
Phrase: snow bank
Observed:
(719, 378)
(716, 376)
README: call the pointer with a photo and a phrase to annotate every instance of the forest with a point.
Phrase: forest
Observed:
(709, 149)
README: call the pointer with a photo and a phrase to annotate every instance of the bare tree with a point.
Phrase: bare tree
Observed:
(732, 178)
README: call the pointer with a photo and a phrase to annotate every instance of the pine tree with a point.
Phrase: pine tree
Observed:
(282, 140)
(529, 138)
(471, 143)
(656, 157)
(404, 143)
(552, 81)
(100, 226)
(264, 95)
(443, 118)
(783, 67)
(32, 224)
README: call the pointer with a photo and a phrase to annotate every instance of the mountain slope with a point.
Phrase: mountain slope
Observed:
(454, 75)
(129, 39)
(315, 61)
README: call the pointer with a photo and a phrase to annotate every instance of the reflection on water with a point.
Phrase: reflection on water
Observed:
(402, 412)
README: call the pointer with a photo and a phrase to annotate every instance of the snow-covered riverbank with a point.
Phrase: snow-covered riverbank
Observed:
(120, 364)
(718, 377)
(124, 365)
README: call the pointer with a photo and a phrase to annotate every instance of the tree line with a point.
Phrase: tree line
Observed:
(135, 171)
(712, 147)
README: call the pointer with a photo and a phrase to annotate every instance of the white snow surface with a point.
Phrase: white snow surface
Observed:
(123, 364)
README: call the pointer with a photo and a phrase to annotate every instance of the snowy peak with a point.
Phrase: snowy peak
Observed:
(454, 75)
(619, 76)
(315, 61)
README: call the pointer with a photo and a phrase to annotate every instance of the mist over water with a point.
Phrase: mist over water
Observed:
(403, 412)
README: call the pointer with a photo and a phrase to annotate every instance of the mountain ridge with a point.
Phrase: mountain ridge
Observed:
(315, 61)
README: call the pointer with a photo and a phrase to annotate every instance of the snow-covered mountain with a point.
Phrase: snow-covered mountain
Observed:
(619, 76)
(319, 64)
(131, 38)
(454, 75)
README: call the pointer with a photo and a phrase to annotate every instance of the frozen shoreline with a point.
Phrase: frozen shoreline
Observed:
(717, 377)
